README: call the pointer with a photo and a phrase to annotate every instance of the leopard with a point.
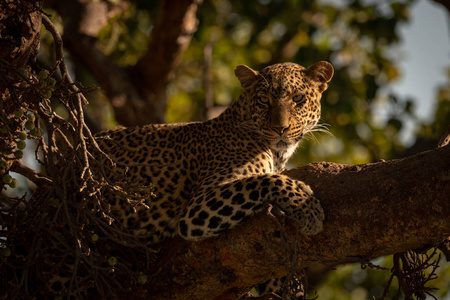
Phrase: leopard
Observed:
(208, 177)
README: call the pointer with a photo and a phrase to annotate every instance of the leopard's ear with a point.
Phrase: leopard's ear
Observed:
(246, 75)
(321, 72)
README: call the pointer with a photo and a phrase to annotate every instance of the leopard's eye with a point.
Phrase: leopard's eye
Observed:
(264, 99)
(298, 98)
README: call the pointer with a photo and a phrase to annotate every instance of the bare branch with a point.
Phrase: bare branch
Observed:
(60, 57)
(31, 174)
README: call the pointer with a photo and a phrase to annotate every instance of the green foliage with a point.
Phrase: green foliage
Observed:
(126, 36)
(351, 282)
(442, 113)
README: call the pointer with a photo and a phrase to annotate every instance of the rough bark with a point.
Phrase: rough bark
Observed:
(371, 210)
(20, 31)
(137, 93)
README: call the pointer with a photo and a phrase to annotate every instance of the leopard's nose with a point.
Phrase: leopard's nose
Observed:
(280, 129)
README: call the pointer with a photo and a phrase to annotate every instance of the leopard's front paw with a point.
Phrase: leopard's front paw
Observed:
(311, 216)
(305, 209)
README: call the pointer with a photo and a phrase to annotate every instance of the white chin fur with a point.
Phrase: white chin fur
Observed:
(281, 146)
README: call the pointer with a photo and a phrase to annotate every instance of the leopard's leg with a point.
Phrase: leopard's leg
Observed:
(274, 286)
(218, 207)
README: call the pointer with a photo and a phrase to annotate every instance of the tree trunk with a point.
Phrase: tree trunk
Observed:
(371, 210)
(137, 93)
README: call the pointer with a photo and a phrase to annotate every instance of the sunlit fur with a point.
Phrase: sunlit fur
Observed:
(284, 96)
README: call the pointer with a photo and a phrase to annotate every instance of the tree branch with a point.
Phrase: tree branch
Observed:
(371, 210)
(138, 93)
(174, 28)
(34, 176)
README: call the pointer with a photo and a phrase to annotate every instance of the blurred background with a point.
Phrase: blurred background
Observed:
(173, 61)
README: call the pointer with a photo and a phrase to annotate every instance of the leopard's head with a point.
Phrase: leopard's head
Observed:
(282, 102)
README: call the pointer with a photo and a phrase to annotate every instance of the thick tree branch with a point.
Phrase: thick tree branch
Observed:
(371, 210)
(172, 33)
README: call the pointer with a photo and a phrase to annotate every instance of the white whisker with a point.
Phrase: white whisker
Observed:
(311, 130)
